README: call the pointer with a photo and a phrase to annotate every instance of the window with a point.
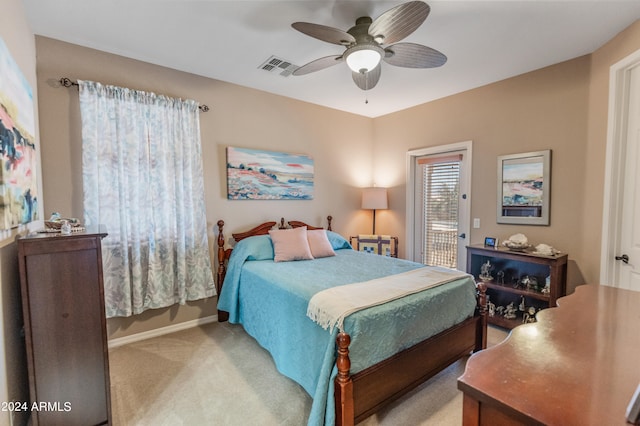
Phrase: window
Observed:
(142, 178)
(441, 189)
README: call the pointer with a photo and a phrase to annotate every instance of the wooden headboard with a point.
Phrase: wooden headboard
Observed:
(262, 229)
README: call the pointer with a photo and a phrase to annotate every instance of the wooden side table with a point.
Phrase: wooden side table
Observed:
(578, 365)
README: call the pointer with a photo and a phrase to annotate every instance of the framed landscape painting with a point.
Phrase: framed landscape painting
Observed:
(267, 175)
(18, 160)
(524, 187)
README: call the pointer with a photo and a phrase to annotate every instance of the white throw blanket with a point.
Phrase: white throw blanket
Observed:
(329, 307)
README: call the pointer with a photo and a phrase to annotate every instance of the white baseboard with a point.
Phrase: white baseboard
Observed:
(114, 343)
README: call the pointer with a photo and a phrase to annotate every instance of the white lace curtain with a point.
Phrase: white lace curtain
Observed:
(142, 179)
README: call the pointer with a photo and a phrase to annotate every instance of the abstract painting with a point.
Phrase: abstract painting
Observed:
(18, 183)
(267, 175)
(523, 188)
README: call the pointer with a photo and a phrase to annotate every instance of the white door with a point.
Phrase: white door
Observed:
(438, 203)
(620, 255)
(628, 256)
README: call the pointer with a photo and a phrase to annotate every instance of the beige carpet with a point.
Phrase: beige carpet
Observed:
(218, 375)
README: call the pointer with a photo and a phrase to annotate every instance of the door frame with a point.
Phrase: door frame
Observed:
(465, 185)
(619, 75)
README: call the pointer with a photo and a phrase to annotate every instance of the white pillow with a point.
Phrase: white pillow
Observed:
(290, 244)
(319, 243)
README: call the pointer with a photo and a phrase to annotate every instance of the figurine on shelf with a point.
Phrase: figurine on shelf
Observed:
(491, 307)
(510, 311)
(516, 282)
(529, 283)
(500, 275)
(485, 271)
(529, 316)
(547, 286)
(521, 306)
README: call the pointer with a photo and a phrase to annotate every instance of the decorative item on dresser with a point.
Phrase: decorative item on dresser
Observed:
(517, 281)
(65, 327)
(362, 385)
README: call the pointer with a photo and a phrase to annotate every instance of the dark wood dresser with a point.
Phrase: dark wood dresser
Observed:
(578, 365)
(65, 328)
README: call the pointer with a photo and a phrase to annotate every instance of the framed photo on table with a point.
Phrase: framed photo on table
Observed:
(524, 188)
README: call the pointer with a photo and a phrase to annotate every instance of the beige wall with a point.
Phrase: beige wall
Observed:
(544, 109)
(621, 46)
(13, 375)
(339, 143)
(561, 107)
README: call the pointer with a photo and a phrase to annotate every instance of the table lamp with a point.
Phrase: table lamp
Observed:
(374, 199)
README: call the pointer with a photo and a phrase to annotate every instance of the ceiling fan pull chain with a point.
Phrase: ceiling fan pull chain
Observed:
(366, 85)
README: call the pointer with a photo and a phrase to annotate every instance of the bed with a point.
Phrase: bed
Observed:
(378, 353)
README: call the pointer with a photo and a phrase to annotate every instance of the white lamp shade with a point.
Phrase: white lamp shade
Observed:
(363, 58)
(374, 199)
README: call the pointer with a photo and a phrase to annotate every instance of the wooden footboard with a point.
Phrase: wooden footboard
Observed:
(360, 395)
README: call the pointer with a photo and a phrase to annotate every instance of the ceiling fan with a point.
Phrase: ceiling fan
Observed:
(371, 41)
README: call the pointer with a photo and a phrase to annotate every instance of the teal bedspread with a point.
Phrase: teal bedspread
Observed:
(270, 300)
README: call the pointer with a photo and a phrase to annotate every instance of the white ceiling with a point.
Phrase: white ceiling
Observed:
(485, 41)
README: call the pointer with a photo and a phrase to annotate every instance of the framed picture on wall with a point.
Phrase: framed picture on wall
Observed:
(524, 188)
(254, 174)
(18, 158)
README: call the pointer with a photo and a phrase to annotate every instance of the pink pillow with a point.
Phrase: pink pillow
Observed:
(290, 244)
(319, 243)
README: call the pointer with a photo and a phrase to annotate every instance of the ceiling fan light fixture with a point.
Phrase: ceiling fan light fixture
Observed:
(363, 58)
(364, 43)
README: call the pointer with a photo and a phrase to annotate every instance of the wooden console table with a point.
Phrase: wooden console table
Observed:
(578, 365)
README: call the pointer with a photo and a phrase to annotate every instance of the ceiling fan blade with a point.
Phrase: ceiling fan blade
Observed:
(398, 22)
(412, 55)
(324, 33)
(319, 64)
(367, 80)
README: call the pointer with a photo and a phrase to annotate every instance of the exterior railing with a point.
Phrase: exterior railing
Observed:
(441, 248)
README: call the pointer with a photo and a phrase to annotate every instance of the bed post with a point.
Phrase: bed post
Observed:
(222, 316)
(343, 392)
(481, 332)
(329, 219)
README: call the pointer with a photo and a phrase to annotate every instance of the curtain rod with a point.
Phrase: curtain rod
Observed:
(66, 82)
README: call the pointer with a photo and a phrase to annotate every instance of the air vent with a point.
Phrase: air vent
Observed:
(279, 66)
